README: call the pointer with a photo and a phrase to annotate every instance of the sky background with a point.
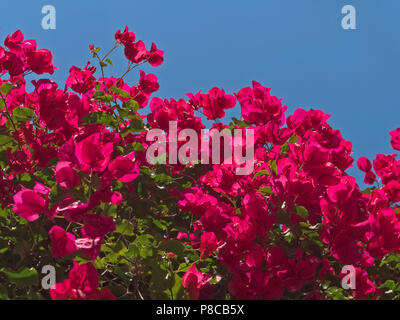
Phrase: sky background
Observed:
(296, 47)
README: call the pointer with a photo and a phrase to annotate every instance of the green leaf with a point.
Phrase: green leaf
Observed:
(6, 88)
(3, 293)
(132, 105)
(335, 293)
(284, 148)
(23, 114)
(98, 93)
(174, 246)
(119, 248)
(109, 61)
(140, 188)
(129, 111)
(99, 117)
(125, 228)
(133, 251)
(187, 184)
(177, 290)
(120, 92)
(293, 139)
(117, 289)
(388, 285)
(261, 173)
(368, 191)
(265, 191)
(159, 225)
(80, 257)
(162, 179)
(273, 166)
(240, 123)
(145, 245)
(24, 277)
(302, 212)
(3, 213)
(123, 273)
(4, 139)
(136, 146)
(136, 122)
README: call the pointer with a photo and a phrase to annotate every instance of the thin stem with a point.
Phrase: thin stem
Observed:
(102, 71)
(109, 52)
(90, 184)
(116, 117)
(130, 69)
(69, 225)
(8, 112)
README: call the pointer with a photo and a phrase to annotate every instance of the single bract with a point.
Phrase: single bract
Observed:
(77, 192)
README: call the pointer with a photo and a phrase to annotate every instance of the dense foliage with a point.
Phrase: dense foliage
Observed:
(78, 193)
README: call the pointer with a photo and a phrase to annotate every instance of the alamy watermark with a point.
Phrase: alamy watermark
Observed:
(349, 20)
(49, 20)
(49, 280)
(349, 280)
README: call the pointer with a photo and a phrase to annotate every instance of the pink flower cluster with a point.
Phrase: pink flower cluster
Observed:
(23, 56)
(280, 229)
(357, 228)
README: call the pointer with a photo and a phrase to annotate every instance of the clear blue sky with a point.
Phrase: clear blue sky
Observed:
(296, 47)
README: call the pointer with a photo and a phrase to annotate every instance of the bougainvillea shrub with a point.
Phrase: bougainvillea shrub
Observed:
(79, 194)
